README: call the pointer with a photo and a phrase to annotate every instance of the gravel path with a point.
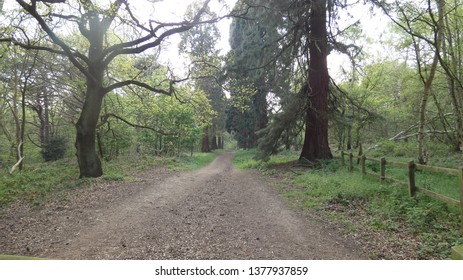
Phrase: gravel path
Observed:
(213, 213)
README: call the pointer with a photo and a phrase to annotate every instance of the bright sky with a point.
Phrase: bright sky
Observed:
(171, 11)
(373, 25)
(174, 10)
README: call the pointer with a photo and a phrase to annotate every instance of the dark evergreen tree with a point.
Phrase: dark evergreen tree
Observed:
(250, 69)
(282, 48)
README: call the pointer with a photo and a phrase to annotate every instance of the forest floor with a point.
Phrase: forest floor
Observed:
(216, 212)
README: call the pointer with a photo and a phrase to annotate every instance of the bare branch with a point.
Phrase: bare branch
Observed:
(139, 84)
(21, 158)
(52, 1)
(107, 116)
(399, 137)
(31, 9)
(131, 47)
(41, 48)
(111, 13)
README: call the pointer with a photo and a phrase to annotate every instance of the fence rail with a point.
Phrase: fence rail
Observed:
(411, 184)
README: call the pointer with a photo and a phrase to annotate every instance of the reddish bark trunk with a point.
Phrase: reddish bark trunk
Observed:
(316, 136)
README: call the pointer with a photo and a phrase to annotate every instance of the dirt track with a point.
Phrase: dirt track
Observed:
(213, 213)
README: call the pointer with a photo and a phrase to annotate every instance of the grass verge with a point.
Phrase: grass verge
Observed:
(445, 184)
(197, 161)
(383, 216)
(244, 159)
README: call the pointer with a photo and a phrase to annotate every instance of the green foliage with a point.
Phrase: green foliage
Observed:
(245, 159)
(164, 125)
(55, 149)
(251, 68)
(199, 43)
(378, 105)
(241, 124)
(389, 148)
(284, 124)
(440, 154)
(321, 186)
(34, 183)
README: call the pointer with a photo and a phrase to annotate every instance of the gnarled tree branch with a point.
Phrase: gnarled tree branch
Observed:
(107, 116)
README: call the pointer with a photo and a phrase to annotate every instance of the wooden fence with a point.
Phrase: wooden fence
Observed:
(412, 167)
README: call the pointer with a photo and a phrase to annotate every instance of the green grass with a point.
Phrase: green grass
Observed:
(447, 185)
(36, 181)
(244, 159)
(39, 180)
(187, 162)
(444, 184)
(383, 206)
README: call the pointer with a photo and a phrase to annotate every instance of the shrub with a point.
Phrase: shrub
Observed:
(55, 148)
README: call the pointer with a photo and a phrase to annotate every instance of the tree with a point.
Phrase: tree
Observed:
(412, 17)
(96, 23)
(316, 134)
(200, 45)
(251, 68)
(18, 82)
(450, 60)
(380, 101)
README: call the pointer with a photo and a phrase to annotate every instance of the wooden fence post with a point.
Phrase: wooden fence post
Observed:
(461, 197)
(362, 162)
(411, 178)
(351, 162)
(382, 168)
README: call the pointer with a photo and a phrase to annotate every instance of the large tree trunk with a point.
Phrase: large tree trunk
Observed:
(89, 162)
(316, 135)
